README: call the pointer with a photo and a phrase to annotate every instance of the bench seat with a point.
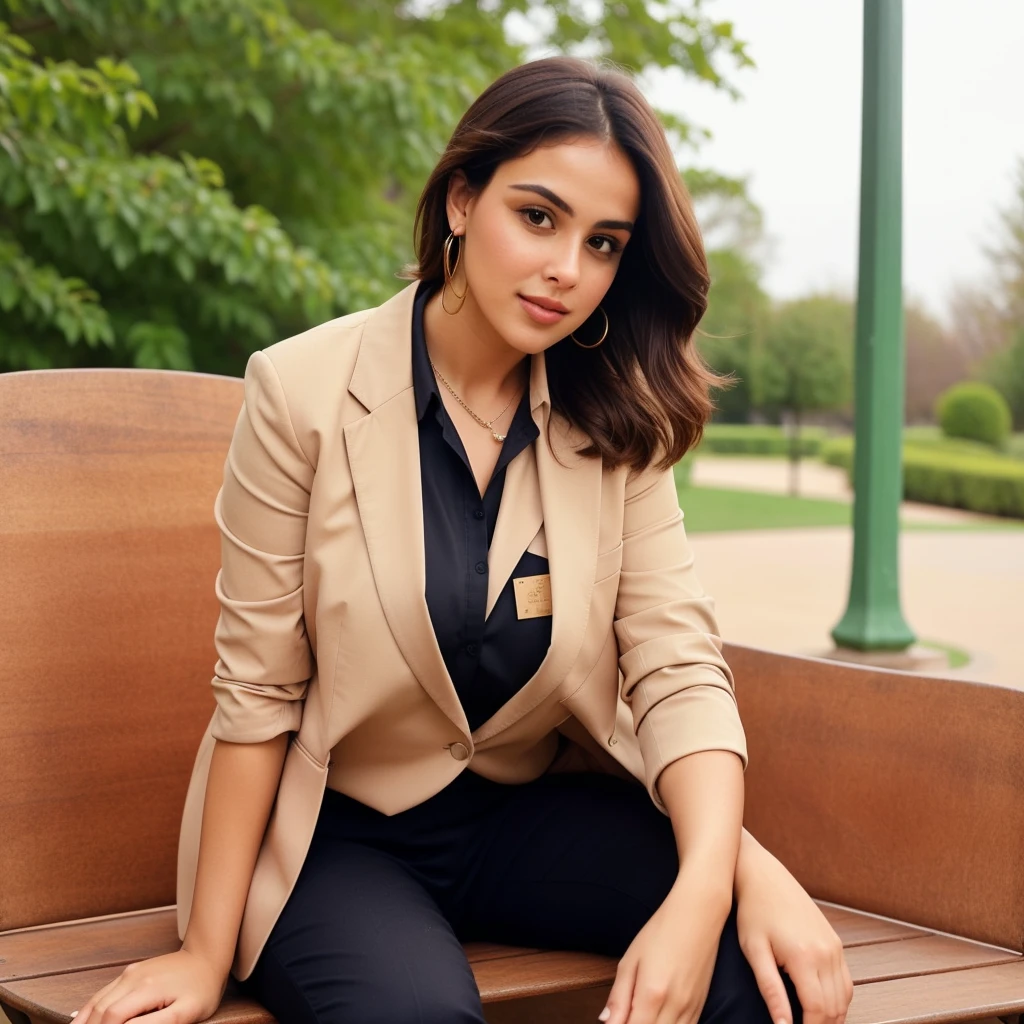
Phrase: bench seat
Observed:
(902, 973)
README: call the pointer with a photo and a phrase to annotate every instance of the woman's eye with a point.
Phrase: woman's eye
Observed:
(605, 245)
(535, 216)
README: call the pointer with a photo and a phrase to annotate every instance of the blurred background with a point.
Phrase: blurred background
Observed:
(185, 181)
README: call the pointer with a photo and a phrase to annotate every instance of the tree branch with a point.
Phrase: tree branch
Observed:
(43, 24)
(153, 144)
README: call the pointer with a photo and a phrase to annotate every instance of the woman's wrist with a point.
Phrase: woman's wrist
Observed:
(705, 887)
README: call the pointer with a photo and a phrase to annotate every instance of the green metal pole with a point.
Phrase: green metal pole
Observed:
(873, 620)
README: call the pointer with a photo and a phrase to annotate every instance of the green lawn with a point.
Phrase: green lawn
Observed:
(712, 509)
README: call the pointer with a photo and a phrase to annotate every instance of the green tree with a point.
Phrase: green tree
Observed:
(184, 181)
(738, 309)
(1004, 370)
(934, 363)
(805, 364)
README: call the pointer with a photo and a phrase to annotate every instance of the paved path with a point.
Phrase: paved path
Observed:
(785, 589)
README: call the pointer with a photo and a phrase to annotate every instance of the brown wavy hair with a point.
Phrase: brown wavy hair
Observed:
(643, 395)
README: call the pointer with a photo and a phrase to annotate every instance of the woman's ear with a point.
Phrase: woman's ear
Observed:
(458, 202)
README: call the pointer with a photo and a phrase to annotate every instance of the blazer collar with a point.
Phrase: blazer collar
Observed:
(546, 484)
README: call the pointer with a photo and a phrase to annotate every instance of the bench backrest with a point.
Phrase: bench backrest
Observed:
(108, 553)
(889, 792)
(880, 790)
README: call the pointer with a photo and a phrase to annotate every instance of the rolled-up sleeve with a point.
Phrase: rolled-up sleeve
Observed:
(264, 660)
(674, 677)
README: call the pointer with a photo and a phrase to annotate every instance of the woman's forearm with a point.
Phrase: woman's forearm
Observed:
(703, 793)
(240, 792)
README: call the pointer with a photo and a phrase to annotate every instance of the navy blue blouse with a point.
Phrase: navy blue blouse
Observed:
(489, 659)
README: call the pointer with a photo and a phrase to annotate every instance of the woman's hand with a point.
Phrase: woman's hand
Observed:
(780, 926)
(182, 987)
(664, 976)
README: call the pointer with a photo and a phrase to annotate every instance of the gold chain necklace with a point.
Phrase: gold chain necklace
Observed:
(484, 423)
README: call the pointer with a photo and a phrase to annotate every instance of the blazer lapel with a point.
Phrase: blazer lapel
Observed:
(519, 518)
(384, 460)
(570, 499)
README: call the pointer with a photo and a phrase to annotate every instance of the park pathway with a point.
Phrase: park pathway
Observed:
(784, 590)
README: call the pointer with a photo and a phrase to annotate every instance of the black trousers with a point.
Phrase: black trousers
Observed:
(371, 932)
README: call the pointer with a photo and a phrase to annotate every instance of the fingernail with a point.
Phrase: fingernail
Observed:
(74, 1013)
(604, 1014)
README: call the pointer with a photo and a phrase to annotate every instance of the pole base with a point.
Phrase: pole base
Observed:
(914, 659)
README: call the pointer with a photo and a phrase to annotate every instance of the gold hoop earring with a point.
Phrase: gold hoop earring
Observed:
(599, 340)
(450, 272)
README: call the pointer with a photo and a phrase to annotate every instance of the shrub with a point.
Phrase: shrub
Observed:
(978, 480)
(974, 411)
(741, 439)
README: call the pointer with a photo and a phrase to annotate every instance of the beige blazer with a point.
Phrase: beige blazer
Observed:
(324, 629)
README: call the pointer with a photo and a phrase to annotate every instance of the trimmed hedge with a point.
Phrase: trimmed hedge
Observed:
(743, 439)
(992, 484)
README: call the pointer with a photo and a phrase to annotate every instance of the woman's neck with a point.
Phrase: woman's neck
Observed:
(480, 366)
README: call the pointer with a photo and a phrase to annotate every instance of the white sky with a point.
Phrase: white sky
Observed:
(796, 132)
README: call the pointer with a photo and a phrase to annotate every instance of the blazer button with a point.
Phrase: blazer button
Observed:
(459, 751)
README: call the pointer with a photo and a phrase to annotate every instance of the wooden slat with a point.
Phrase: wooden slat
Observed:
(52, 999)
(857, 929)
(479, 951)
(32, 952)
(930, 954)
(941, 998)
(579, 1007)
(536, 974)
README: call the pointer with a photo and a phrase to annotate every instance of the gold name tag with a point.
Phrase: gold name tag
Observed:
(533, 596)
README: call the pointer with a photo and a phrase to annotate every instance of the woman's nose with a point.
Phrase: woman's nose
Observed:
(564, 266)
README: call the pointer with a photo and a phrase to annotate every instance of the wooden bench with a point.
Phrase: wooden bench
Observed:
(897, 800)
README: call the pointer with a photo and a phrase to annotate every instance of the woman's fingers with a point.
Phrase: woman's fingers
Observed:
(620, 999)
(130, 1005)
(808, 990)
(168, 1015)
(769, 982)
(836, 985)
(86, 1013)
(845, 986)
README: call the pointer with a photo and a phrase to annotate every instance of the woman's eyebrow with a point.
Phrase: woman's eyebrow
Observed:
(546, 193)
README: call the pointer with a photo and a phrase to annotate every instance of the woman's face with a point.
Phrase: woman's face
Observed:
(542, 241)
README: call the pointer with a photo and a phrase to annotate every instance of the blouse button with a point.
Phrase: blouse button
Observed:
(481, 567)
(471, 649)
(459, 751)
(479, 513)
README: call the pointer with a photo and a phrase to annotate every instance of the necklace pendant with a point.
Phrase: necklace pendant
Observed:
(498, 437)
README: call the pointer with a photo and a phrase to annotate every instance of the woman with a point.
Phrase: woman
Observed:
(455, 568)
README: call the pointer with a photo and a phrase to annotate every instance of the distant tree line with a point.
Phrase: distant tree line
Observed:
(794, 360)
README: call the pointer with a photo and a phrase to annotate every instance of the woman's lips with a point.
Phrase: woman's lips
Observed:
(541, 314)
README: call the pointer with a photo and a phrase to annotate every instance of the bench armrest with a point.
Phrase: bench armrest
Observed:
(895, 793)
